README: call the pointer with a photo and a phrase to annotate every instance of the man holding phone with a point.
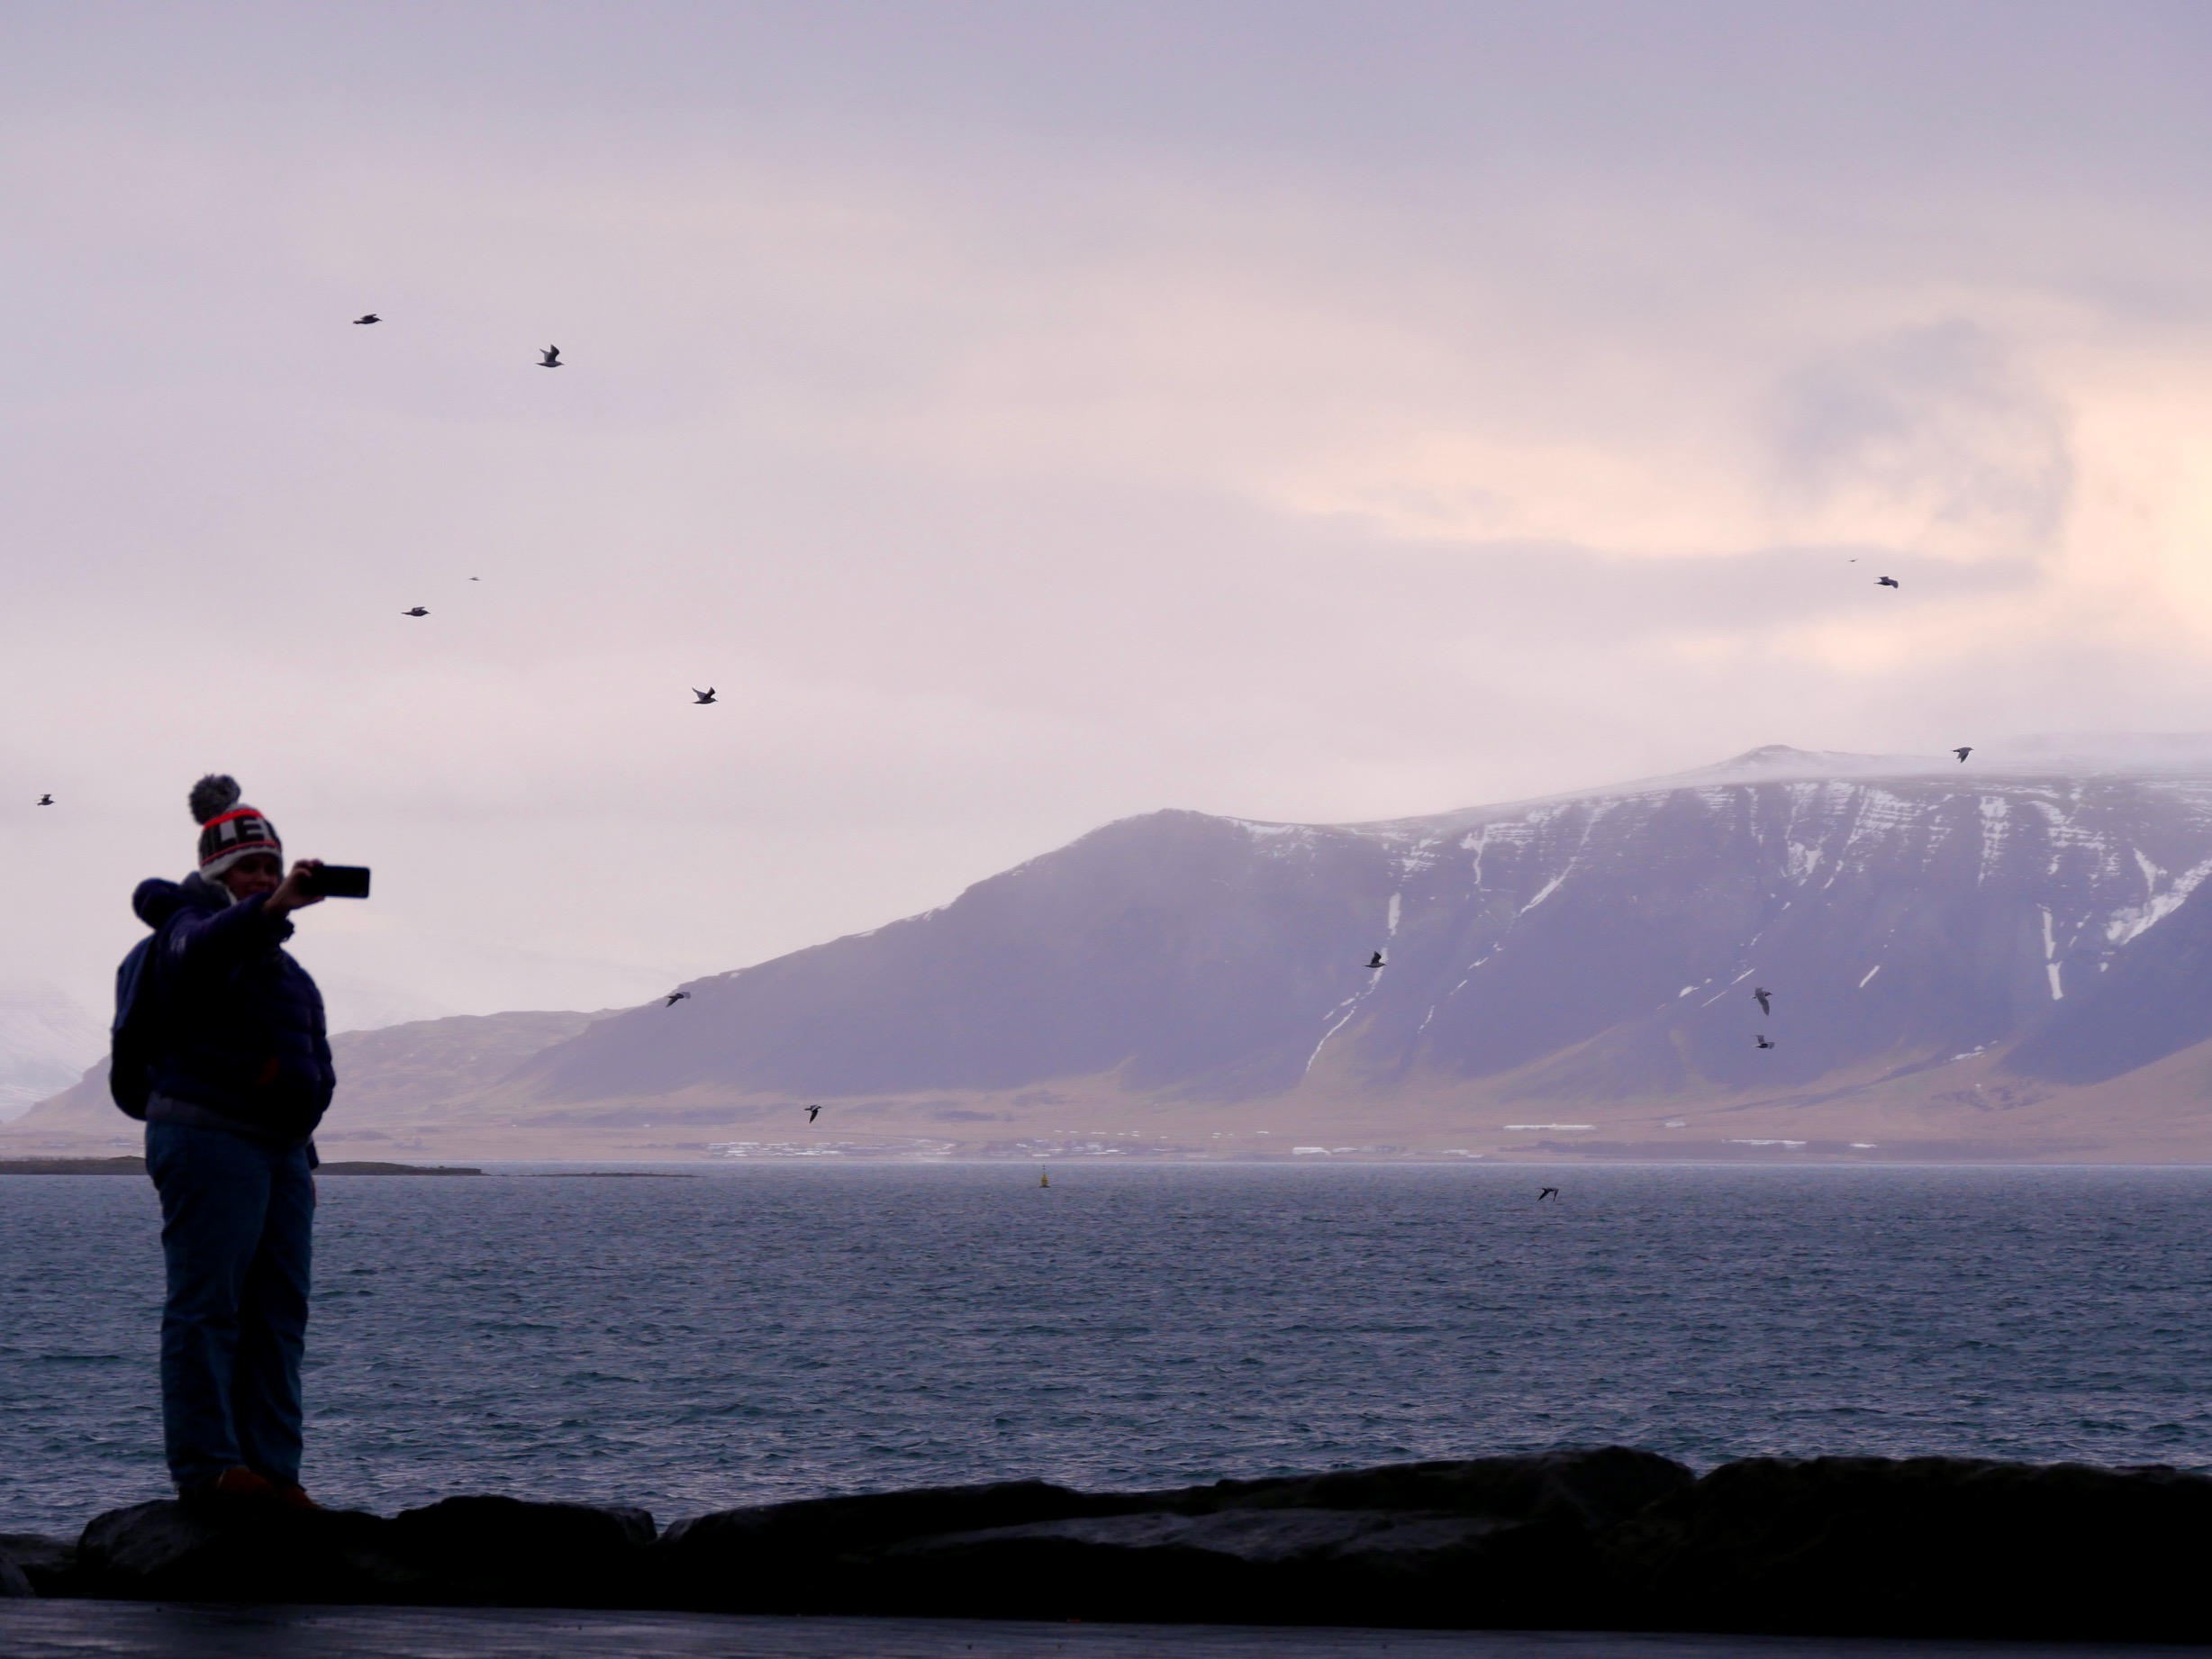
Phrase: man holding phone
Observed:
(242, 1078)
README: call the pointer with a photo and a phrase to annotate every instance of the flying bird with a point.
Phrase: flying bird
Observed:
(705, 696)
(1887, 582)
(366, 318)
(46, 799)
(1963, 750)
(1759, 996)
(1375, 961)
(1763, 1041)
(1549, 1192)
(676, 996)
(475, 578)
(551, 358)
(418, 610)
(812, 1112)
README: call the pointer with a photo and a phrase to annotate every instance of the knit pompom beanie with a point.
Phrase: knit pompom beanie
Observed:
(229, 831)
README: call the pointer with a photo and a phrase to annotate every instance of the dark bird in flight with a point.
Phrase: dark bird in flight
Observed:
(676, 996)
(1375, 961)
(1759, 996)
(366, 319)
(1763, 1041)
(812, 1112)
(1887, 582)
(705, 696)
(1549, 1192)
(46, 799)
(418, 610)
(1963, 750)
(475, 578)
(551, 358)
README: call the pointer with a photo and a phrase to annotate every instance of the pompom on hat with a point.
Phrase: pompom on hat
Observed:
(229, 831)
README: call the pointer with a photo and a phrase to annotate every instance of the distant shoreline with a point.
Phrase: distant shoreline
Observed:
(137, 1166)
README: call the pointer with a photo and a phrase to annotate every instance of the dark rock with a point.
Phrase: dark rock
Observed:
(240, 1551)
(1928, 1546)
(1272, 1566)
(1585, 1486)
(1496, 1541)
(40, 1564)
(1492, 1542)
(792, 1557)
(461, 1552)
(502, 1552)
(1606, 1538)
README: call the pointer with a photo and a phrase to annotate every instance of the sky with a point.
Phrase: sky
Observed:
(1029, 416)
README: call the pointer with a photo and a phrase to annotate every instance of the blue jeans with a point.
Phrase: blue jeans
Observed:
(237, 1228)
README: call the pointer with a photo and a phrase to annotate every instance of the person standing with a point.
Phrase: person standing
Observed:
(240, 1078)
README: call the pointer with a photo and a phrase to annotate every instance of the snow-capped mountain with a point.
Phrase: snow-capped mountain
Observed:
(1601, 944)
(2010, 959)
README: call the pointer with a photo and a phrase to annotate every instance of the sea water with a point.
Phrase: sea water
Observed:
(768, 1331)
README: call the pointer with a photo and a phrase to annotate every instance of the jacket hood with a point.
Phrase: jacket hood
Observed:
(155, 899)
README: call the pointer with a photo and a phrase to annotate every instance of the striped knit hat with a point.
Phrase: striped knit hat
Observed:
(229, 831)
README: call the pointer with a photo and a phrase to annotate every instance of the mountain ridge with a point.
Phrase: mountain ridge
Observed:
(1958, 960)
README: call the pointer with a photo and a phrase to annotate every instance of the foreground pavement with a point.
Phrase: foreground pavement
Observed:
(127, 1630)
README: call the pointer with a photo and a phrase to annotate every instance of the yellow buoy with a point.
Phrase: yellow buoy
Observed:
(1043, 1179)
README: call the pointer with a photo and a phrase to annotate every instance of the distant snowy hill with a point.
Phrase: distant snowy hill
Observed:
(46, 1040)
(1602, 946)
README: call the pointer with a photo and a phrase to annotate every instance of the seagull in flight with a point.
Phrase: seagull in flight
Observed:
(1549, 1192)
(418, 610)
(1759, 996)
(1375, 961)
(551, 357)
(812, 1112)
(46, 799)
(1963, 750)
(367, 318)
(1887, 582)
(1764, 1041)
(676, 996)
(705, 696)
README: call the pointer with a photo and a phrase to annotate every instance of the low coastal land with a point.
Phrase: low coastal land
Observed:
(137, 1166)
(1604, 1539)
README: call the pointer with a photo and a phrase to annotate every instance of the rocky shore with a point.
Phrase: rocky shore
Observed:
(1584, 1539)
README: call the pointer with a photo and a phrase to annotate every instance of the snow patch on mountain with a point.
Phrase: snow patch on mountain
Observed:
(2135, 920)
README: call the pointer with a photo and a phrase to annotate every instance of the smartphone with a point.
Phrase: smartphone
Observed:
(340, 881)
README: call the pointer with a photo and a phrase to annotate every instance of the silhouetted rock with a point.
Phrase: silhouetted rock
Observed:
(1929, 1547)
(31, 1566)
(790, 1557)
(501, 1551)
(1495, 1541)
(1592, 1539)
(237, 1551)
(460, 1552)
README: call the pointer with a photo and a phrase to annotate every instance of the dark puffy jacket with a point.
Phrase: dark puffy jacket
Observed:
(241, 1022)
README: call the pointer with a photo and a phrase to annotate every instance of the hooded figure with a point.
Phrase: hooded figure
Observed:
(242, 1079)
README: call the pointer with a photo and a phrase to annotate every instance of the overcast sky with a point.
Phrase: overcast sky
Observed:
(1029, 416)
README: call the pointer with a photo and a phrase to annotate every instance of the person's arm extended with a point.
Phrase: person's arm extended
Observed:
(217, 942)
